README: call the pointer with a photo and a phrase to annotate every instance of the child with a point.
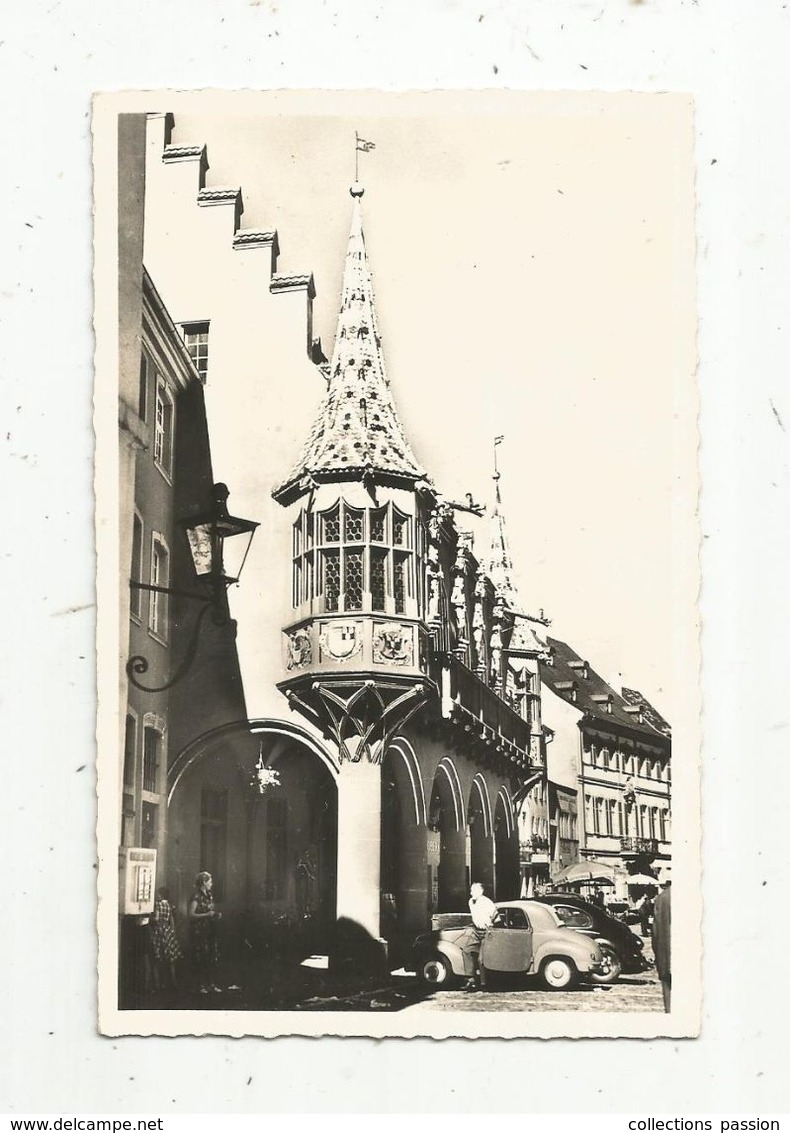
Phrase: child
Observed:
(164, 942)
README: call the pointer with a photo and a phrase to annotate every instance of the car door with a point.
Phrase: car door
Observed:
(507, 946)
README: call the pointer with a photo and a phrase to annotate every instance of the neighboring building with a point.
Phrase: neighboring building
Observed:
(615, 748)
(564, 849)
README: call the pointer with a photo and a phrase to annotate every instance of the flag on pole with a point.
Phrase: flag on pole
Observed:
(498, 440)
(363, 146)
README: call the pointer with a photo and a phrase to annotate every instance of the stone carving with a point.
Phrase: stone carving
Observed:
(340, 640)
(300, 649)
(495, 643)
(458, 599)
(393, 644)
(479, 627)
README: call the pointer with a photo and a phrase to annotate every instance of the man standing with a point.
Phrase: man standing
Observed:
(662, 939)
(484, 915)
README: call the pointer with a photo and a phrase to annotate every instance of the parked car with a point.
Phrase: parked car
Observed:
(621, 948)
(529, 939)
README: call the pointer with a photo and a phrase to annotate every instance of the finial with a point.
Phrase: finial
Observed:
(357, 190)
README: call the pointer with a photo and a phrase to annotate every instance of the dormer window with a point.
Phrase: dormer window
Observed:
(604, 699)
(581, 668)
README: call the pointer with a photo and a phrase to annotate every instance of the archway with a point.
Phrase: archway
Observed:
(404, 884)
(273, 856)
(506, 851)
(480, 846)
(447, 883)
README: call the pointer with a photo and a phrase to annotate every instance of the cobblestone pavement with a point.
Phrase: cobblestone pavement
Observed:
(272, 988)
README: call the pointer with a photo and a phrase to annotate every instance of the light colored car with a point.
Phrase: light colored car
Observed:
(529, 938)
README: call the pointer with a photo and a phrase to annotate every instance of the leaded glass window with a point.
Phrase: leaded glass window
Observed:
(332, 580)
(378, 578)
(331, 526)
(354, 525)
(378, 525)
(333, 563)
(354, 579)
(400, 529)
(399, 583)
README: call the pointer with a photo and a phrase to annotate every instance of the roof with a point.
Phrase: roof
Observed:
(357, 431)
(569, 672)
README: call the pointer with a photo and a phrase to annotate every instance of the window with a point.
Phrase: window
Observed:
(163, 430)
(362, 558)
(136, 596)
(152, 752)
(214, 836)
(142, 394)
(196, 339)
(573, 917)
(514, 918)
(160, 576)
(276, 848)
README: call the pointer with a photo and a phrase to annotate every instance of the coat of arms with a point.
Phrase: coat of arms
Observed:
(392, 644)
(341, 640)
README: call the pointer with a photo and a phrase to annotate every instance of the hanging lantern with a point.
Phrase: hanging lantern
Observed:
(263, 778)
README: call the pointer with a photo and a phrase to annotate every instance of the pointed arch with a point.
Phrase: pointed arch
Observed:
(448, 769)
(479, 784)
(403, 748)
(507, 803)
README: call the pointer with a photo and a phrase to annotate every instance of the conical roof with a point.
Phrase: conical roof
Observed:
(357, 431)
(500, 564)
(499, 568)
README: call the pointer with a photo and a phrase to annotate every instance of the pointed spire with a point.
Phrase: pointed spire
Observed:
(500, 564)
(357, 432)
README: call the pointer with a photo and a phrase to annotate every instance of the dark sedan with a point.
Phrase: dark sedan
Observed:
(621, 948)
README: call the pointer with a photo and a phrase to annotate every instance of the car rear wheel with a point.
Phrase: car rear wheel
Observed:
(435, 971)
(558, 973)
(611, 966)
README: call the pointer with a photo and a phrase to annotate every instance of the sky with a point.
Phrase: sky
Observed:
(532, 261)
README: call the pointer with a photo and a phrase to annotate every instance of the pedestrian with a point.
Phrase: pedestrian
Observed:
(164, 940)
(662, 940)
(645, 913)
(598, 897)
(484, 915)
(203, 921)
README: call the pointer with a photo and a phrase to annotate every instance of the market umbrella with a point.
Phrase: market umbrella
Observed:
(642, 879)
(580, 872)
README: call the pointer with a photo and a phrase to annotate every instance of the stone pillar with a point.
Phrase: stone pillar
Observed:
(413, 896)
(358, 942)
(453, 884)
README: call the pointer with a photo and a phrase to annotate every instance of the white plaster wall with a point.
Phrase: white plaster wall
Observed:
(262, 391)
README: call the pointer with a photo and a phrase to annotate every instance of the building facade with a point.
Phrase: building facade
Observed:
(615, 750)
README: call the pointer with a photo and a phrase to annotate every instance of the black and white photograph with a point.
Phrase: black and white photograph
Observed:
(397, 491)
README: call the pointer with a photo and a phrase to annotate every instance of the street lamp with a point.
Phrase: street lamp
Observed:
(206, 534)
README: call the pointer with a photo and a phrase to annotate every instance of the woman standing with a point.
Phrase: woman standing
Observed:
(203, 919)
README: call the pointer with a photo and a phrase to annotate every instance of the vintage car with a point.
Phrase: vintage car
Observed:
(529, 938)
(621, 948)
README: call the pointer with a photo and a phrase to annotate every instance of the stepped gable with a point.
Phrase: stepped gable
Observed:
(357, 431)
(576, 682)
